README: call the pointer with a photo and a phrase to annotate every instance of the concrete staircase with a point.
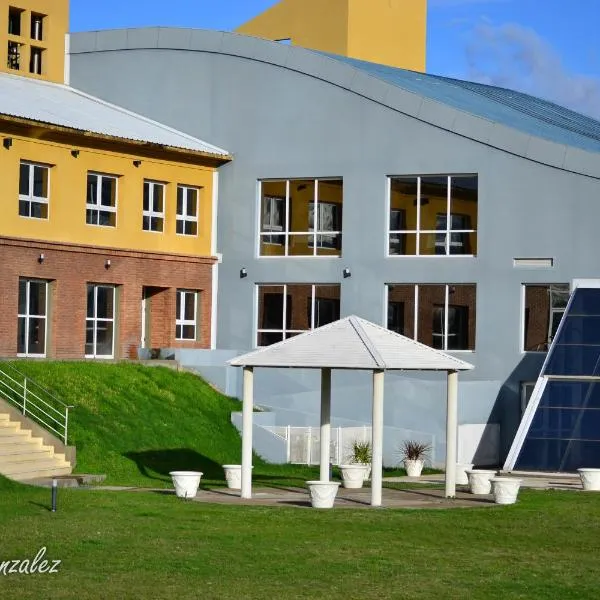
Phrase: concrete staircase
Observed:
(24, 457)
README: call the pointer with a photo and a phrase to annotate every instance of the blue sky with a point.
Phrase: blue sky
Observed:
(550, 48)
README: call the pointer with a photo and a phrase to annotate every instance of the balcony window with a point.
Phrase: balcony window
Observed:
(14, 56)
(35, 61)
(14, 20)
(37, 26)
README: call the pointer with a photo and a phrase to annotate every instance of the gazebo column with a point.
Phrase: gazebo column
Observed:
(377, 439)
(451, 433)
(325, 423)
(247, 399)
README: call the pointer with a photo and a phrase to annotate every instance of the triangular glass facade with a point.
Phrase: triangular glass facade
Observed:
(561, 429)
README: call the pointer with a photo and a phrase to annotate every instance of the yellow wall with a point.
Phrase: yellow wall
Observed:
(391, 32)
(56, 26)
(67, 202)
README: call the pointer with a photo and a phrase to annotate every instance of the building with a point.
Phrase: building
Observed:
(107, 235)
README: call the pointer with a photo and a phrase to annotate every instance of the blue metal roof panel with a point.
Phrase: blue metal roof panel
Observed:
(510, 108)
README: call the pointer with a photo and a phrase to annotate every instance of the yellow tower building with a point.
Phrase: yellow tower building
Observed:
(390, 32)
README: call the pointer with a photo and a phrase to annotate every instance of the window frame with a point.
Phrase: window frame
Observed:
(28, 316)
(183, 217)
(151, 214)
(180, 320)
(98, 207)
(417, 232)
(30, 198)
(95, 320)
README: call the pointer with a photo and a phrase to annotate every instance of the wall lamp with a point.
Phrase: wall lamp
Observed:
(7, 143)
(137, 163)
(107, 263)
(346, 273)
(75, 153)
(41, 258)
(243, 272)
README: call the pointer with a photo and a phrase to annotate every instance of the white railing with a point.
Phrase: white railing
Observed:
(34, 401)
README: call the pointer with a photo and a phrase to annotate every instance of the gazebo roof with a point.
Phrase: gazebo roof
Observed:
(351, 343)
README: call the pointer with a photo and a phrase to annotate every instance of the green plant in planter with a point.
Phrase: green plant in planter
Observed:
(361, 452)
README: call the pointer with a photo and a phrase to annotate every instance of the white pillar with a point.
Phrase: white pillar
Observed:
(325, 423)
(247, 432)
(451, 434)
(377, 439)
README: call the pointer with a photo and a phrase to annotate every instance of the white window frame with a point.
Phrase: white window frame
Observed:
(181, 321)
(30, 198)
(95, 320)
(435, 232)
(284, 330)
(416, 287)
(184, 217)
(28, 316)
(315, 232)
(151, 213)
(98, 207)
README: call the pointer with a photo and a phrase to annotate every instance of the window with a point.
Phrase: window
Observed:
(433, 215)
(35, 61)
(301, 217)
(34, 185)
(544, 308)
(285, 310)
(37, 26)
(153, 218)
(100, 321)
(14, 56)
(187, 210)
(440, 316)
(101, 206)
(186, 313)
(33, 309)
(14, 20)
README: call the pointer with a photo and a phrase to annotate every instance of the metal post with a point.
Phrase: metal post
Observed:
(451, 433)
(325, 423)
(288, 449)
(377, 439)
(54, 492)
(66, 424)
(247, 400)
(25, 397)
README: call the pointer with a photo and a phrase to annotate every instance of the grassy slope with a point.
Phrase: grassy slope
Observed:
(148, 545)
(136, 423)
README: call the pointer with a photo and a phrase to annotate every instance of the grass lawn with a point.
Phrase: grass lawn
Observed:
(151, 545)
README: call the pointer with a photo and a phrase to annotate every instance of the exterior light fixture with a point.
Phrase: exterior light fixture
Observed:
(137, 163)
(7, 143)
(243, 272)
(41, 258)
(75, 153)
(107, 264)
(346, 273)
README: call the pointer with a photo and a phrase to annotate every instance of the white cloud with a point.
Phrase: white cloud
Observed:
(517, 57)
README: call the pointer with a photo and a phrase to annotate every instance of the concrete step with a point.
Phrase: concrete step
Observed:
(26, 475)
(21, 465)
(10, 437)
(4, 417)
(26, 447)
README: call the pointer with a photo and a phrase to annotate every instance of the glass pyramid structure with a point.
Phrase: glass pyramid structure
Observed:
(560, 430)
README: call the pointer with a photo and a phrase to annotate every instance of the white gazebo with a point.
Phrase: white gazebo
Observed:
(356, 344)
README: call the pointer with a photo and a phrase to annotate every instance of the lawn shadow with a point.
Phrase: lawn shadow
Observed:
(39, 504)
(163, 462)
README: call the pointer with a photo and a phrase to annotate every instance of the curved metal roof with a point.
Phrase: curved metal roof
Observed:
(351, 343)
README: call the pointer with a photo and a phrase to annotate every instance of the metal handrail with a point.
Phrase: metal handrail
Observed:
(40, 409)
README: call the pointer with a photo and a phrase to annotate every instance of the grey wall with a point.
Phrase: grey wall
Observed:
(276, 110)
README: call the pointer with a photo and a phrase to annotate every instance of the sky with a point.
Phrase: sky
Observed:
(548, 48)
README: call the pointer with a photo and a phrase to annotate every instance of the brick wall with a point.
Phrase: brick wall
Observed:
(70, 268)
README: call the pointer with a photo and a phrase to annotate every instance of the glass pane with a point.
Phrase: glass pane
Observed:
(38, 210)
(270, 307)
(330, 196)
(24, 207)
(40, 182)
(109, 186)
(104, 338)
(188, 332)
(586, 302)
(107, 219)
(462, 317)
(431, 244)
(22, 296)
(302, 195)
(329, 245)
(189, 299)
(439, 327)
(401, 309)
(327, 304)
(179, 226)
(574, 360)
(180, 195)
(571, 394)
(579, 329)
(158, 198)
(37, 298)
(21, 346)
(190, 228)
(145, 223)
(37, 336)
(157, 223)
(178, 331)
(266, 338)
(24, 179)
(464, 205)
(105, 307)
(92, 189)
(299, 306)
(146, 195)
(273, 206)
(540, 321)
(434, 201)
(301, 245)
(91, 216)
(404, 209)
(431, 297)
(192, 202)
(89, 337)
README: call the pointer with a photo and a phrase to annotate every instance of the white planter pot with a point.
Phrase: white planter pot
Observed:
(353, 476)
(367, 472)
(322, 493)
(186, 483)
(413, 467)
(505, 489)
(590, 479)
(480, 481)
(233, 476)
(461, 473)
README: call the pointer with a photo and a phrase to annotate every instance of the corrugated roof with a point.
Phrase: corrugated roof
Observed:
(520, 111)
(61, 105)
(351, 343)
